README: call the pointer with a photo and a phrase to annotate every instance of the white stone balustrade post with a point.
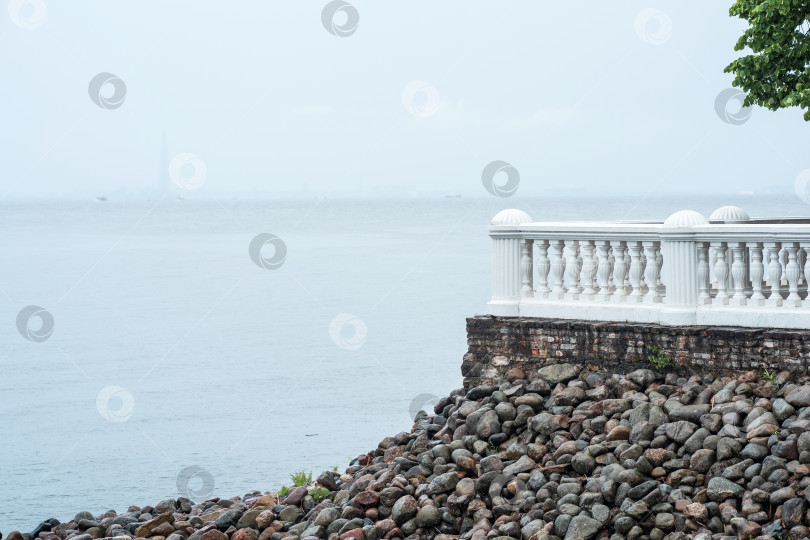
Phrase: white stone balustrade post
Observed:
(543, 266)
(506, 262)
(681, 266)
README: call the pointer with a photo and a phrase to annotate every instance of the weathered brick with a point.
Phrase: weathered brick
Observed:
(496, 344)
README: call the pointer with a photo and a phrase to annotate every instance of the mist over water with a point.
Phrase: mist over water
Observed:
(245, 372)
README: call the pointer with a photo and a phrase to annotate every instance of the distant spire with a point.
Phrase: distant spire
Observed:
(164, 183)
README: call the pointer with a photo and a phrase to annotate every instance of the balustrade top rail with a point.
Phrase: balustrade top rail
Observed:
(728, 269)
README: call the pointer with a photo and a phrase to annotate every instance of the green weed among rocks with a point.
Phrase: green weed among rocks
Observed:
(657, 358)
(299, 478)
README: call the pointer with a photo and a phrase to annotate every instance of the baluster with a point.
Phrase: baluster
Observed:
(543, 266)
(774, 274)
(652, 271)
(619, 270)
(603, 269)
(792, 272)
(588, 268)
(526, 273)
(721, 273)
(572, 269)
(636, 270)
(757, 271)
(644, 287)
(738, 273)
(729, 279)
(748, 290)
(783, 257)
(627, 261)
(806, 250)
(659, 260)
(611, 262)
(558, 266)
(703, 273)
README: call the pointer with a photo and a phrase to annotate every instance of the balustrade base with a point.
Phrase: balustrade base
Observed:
(709, 314)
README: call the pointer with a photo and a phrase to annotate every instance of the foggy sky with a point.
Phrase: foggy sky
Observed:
(583, 97)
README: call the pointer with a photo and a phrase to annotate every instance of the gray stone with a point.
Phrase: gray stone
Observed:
(782, 409)
(720, 489)
(532, 528)
(728, 448)
(488, 425)
(428, 516)
(327, 516)
(640, 413)
(557, 373)
(781, 495)
(680, 431)
(290, 514)
(695, 442)
(443, 482)
(754, 451)
(799, 397)
(248, 519)
(792, 512)
(601, 513)
(583, 463)
(582, 528)
(524, 464)
(701, 460)
(665, 521)
(406, 507)
(465, 486)
(690, 413)
(770, 464)
(642, 431)
(230, 517)
(642, 377)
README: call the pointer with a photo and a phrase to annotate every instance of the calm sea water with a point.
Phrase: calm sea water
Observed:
(172, 349)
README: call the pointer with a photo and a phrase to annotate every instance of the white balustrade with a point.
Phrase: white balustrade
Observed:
(687, 270)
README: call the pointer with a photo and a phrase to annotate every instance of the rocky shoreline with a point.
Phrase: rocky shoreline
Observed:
(570, 454)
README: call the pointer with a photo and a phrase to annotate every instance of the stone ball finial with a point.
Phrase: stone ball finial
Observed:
(512, 216)
(685, 218)
(730, 214)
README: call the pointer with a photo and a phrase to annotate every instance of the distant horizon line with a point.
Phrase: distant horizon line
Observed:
(194, 196)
